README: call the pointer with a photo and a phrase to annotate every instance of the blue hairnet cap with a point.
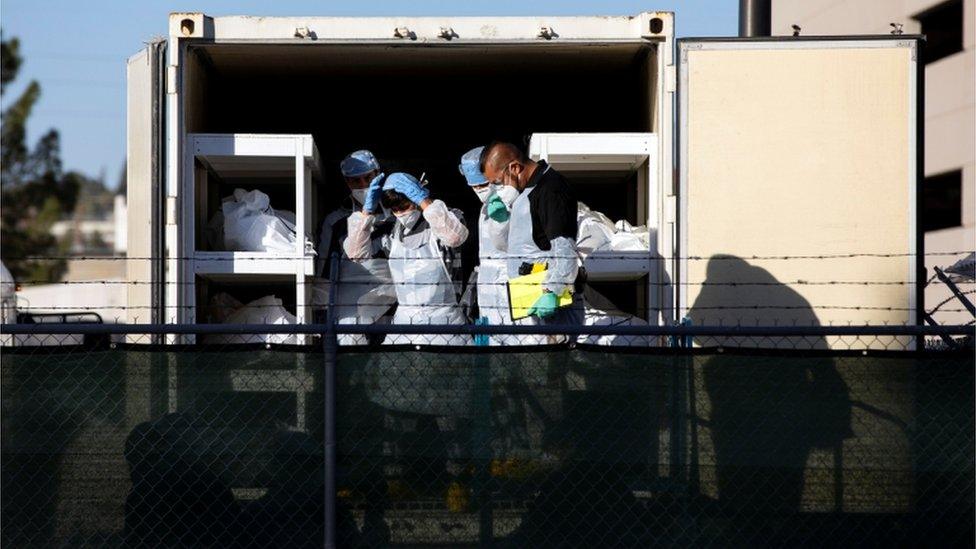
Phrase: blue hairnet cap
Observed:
(358, 163)
(470, 167)
(391, 180)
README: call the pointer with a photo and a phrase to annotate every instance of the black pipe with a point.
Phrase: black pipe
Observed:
(157, 184)
(755, 17)
(330, 345)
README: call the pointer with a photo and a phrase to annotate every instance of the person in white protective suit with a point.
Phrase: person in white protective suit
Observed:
(542, 229)
(492, 270)
(364, 290)
(420, 250)
(510, 442)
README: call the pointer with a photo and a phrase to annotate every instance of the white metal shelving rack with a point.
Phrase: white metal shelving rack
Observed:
(272, 158)
(615, 154)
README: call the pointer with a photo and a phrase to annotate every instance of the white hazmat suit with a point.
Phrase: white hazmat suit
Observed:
(426, 292)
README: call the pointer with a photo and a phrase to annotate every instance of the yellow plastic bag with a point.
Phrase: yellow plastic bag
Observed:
(524, 291)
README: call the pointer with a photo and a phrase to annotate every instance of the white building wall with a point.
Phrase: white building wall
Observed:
(950, 105)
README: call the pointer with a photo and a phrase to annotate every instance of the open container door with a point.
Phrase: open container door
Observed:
(799, 161)
(145, 193)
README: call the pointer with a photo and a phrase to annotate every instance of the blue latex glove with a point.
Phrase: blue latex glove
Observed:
(408, 186)
(496, 209)
(545, 306)
(374, 193)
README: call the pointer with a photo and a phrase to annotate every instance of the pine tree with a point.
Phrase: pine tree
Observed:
(34, 190)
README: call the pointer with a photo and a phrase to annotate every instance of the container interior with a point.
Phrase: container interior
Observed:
(420, 107)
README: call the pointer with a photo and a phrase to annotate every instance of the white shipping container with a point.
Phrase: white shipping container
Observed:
(785, 147)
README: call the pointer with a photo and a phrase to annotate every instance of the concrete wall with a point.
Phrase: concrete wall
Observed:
(950, 105)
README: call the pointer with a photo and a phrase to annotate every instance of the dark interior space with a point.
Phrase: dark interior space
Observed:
(630, 296)
(420, 108)
(611, 193)
(942, 201)
(245, 289)
(942, 27)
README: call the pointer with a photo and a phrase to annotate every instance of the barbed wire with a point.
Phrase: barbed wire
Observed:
(391, 283)
(264, 256)
(505, 307)
(948, 300)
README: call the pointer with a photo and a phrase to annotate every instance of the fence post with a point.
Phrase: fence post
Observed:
(330, 349)
(481, 436)
(680, 428)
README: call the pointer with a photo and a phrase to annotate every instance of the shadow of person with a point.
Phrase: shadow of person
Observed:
(292, 511)
(766, 412)
(599, 433)
(176, 498)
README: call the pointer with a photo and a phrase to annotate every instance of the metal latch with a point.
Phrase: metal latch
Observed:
(404, 32)
(447, 33)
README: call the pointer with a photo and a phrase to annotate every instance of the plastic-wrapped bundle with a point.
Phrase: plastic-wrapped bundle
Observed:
(597, 233)
(963, 270)
(265, 310)
(601, 312)
(595, 230)
(252, 225)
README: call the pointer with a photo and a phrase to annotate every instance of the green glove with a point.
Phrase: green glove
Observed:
(496, 209)
(545, 306)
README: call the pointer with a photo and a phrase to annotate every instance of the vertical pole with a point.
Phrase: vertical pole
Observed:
(755, 17)
(679, 418)
(481, 435)
(330, 343)
(301, 220)
(330, 348)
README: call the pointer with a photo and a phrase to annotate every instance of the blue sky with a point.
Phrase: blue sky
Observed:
(77, 51)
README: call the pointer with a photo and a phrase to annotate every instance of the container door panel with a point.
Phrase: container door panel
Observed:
(144, 193)
(798, 166)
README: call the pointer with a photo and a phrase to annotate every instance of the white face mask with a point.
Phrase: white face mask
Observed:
(408, 218)
(359, 195)
(484, 192)
(507, 193)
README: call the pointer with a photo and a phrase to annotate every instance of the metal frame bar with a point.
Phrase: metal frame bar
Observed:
(452, 329)
(425, 30)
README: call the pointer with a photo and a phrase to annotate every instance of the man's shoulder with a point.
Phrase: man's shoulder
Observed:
(552, 182)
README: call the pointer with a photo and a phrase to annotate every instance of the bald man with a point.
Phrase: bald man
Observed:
(542, 228)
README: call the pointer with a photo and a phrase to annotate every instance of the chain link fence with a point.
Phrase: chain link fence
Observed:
(183, 436)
